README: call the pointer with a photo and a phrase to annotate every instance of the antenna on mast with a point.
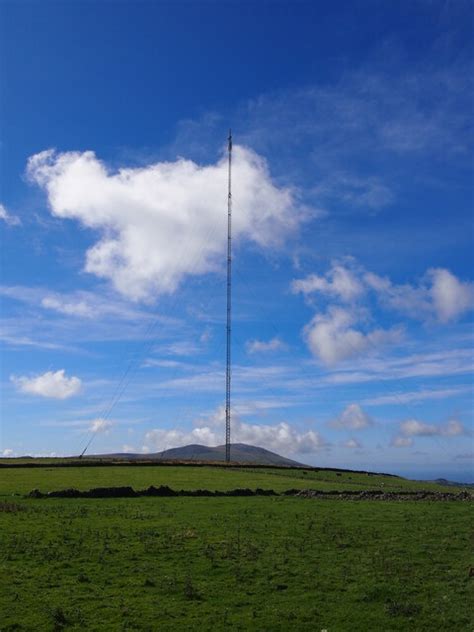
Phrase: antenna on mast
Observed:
(229, 305)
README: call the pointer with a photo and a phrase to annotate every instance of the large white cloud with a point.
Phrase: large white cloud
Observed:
(438, 295)
(281, 437)
(160, 223)
(331, 336)
(336, 334)
(53, 384)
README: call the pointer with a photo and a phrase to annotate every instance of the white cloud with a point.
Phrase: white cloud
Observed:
(10, 220)
(100, 425)
(416, 428)
(206, 336)
(281, 437)
(453, 428)
(163, 222)
(440, 295)
(451, 297)
(353, 418)
(181, 348)
(401, 442)
(406, 299)
(164, 364)
(353, 444)
(259, 406)
(50, 384)
(160, 439)
(80, 308)
(245, 379)
(440, 363)
(262, 346)
(331, 337)
(8, 453)
(57, 320)
(209, 381)
(341, 282)
(372, 111)
(81, 304)
(416, 396)
(413, 427)
(25, 341)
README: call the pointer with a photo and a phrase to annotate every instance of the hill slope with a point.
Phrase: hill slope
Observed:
(240, 452)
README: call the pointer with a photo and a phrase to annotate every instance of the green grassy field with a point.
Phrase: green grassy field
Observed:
(258, 563)
(23, 480)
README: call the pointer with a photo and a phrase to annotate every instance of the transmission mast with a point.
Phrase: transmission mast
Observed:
(229, 305)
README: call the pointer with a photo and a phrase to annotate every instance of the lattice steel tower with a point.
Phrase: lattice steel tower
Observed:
(229, 305)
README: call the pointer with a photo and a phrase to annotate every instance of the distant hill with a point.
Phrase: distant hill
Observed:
(443, 481)
(240, 452)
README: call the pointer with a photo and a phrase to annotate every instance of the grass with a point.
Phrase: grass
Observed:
(258, 563)
(23, 480)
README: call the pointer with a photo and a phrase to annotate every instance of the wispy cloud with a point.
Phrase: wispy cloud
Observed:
(263, 405)
(164, 364)
(245, 379)
(369, 193)
(405, 397)
(81, 304)
(350, 128)
(434, 364)
(179, 348)
(44, 319)
(13, 337)
(8, 218)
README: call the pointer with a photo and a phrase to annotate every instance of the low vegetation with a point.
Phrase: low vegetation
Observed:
(50, 477)
(241, 563)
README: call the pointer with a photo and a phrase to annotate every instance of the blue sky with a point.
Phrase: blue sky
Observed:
(353, 289)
